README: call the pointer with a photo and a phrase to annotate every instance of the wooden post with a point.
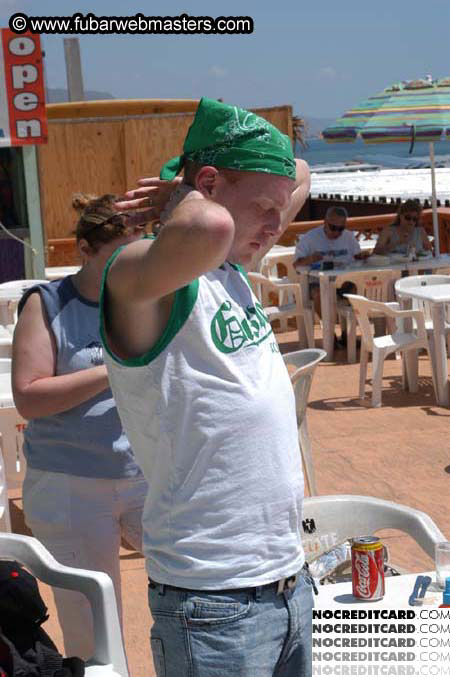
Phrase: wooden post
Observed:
(73, 69)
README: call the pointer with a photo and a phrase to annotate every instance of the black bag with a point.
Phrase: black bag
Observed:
(25, 648)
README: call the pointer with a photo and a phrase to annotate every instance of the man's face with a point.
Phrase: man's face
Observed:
(334, 226)
(255, 200)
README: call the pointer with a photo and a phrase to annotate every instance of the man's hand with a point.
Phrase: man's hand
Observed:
(308, 260)
(363, 255)
(150, 198)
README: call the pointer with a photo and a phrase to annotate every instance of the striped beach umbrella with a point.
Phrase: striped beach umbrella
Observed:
(418, 110)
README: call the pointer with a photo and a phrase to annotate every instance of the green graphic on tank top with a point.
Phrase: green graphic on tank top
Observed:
(231, 333)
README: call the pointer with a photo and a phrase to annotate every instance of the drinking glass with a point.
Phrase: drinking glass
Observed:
(442, 561)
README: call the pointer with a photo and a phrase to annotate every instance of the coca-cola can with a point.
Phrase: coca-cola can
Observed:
(368, 568)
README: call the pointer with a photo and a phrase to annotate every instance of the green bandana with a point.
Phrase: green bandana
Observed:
(230, 137)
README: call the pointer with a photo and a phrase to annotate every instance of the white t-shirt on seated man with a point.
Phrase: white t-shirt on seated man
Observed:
(330, 242)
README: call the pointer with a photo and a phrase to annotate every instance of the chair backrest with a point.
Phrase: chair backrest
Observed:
(305, 362)
(5, 365)
(330, 520)
(5, 520)
(257, 282)
(6, 339)
(7, 314)
(18, 287)
(12, 427)
(363, 308)
(109, 655)
(10, 295)
(276, 262)
(375, 285)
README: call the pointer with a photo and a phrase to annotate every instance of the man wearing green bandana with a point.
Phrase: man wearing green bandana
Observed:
(208, 406)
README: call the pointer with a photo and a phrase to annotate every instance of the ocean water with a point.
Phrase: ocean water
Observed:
(393, 155)
(395, 173)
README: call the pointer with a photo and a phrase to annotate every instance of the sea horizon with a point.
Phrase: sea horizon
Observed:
(319, 153)
(394, 171)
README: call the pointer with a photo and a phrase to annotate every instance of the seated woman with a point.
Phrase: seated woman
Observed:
(405, 233)
(83, 490)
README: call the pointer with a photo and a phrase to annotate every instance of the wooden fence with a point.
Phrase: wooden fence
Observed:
(108, 154)
(366, 226)
(62, 252)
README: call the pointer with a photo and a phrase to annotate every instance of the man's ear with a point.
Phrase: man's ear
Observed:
(205, 180)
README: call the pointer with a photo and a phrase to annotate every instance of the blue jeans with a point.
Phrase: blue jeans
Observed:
(253, 632)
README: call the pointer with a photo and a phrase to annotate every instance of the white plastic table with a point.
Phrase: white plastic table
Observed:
(437, 296)
(326, 279)
(286, 253)
(397, 592)
(351, 637)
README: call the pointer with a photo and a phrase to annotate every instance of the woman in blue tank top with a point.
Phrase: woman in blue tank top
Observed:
(83, 490)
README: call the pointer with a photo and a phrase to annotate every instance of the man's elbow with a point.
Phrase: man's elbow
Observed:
(217, 232)
(303, 174)
(221, 232)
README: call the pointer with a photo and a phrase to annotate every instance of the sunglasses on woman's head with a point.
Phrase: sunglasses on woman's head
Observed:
(411, 217)
(120, 219)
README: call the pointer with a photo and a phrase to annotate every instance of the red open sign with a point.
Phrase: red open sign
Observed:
(23, 118)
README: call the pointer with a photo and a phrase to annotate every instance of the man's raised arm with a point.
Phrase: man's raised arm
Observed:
(195, 240)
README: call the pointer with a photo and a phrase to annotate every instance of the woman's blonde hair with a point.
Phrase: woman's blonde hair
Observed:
(99, 220)
(408, 206)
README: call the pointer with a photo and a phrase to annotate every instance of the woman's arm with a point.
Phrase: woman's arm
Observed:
(426, 243)
(37, 391)
(383, 242)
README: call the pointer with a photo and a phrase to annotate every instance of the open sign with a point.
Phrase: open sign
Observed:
(23, 117)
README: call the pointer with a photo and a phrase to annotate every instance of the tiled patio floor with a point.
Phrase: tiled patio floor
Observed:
(400, 452)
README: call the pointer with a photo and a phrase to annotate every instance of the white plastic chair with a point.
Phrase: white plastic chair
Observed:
(376, 286)
(58, 272)
(10, 295)
(6, 339)
(305, 362)
(5, 518)
(407, 342)
(12, 426)
(262, 287)
(109, 656)
(331, 520)
(269, 268)
(16, 288)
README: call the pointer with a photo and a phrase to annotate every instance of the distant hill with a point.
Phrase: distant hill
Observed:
(59, 95)
(314, 126)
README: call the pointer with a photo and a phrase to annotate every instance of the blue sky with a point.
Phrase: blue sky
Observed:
(320, 56)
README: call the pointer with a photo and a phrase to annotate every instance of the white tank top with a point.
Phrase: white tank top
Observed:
(210, 414)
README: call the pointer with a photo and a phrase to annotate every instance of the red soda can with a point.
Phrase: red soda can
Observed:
(368, 568)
